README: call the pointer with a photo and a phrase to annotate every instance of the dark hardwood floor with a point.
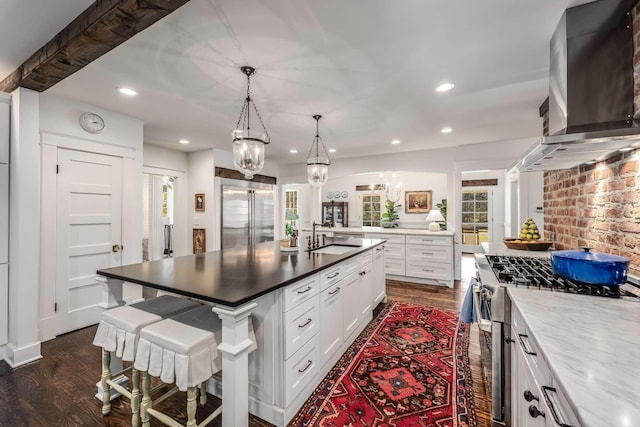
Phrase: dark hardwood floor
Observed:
(59, 389)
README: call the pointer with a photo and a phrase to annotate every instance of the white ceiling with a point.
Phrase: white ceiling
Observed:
(368, 66)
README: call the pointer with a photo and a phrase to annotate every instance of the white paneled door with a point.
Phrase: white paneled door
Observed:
(89, 223)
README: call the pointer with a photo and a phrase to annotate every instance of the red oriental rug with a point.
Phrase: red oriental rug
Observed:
(409, 367)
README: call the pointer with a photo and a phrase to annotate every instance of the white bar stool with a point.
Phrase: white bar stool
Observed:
(118, 332)
(184, 350)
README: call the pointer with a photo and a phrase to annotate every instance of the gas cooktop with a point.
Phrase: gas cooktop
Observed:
(536, 272)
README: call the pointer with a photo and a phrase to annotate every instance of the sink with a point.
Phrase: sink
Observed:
(333, 249)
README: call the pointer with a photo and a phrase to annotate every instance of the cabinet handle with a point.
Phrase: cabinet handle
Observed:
(334, 275)
(305, 291)
(524, 347)
(551, 407)
(334, 292)
(535, 412)
(427, 270)
(528, 396)
(309, 363)
(379, 249)
(509, 340)
(387, 266)
(305, 323)
(427, 253)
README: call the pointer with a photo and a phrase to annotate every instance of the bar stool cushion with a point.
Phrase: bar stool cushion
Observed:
(119, 327)
(184, 349)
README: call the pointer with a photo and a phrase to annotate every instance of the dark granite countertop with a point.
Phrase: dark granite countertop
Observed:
(234, 276)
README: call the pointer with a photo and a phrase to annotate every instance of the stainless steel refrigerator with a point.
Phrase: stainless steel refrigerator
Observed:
(247, 213)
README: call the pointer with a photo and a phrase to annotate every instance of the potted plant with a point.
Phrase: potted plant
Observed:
(289, 226)
(389, 218)
(443, 210)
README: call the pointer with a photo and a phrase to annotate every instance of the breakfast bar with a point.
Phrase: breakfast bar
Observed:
(241, 282)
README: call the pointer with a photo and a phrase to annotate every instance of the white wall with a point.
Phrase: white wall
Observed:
(411, 181)
(200, 180)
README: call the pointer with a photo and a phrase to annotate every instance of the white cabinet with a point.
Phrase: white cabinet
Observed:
(420, 257)
(366, 291)
(379, 280)
(301, 369)
(351, 304)
(301, 291)
(331, 310)
(535, 401)
(430, 257)
(4, 303)
(300, 324)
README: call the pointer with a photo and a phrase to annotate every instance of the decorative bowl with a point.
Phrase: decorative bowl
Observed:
(527, 245)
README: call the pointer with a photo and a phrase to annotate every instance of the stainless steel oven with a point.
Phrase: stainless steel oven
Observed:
(496, 273)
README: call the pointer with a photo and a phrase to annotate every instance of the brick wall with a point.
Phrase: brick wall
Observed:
(597, 206)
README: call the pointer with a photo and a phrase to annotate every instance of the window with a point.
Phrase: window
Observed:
(291, 201)
(475, 216)
(371, 205)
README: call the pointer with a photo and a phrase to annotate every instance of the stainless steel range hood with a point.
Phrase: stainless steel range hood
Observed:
(590, 88)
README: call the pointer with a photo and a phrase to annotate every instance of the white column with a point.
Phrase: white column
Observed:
(235, 363)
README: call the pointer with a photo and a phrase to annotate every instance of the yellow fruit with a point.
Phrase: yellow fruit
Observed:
(529, 236)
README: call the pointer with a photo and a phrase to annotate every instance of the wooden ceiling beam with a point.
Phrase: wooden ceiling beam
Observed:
(101, 27)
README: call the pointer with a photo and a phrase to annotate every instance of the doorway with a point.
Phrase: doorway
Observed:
(477, 217)
(158, 203)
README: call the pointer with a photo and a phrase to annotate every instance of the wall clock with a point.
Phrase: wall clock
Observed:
(91, 122)
(329, 195)
(345, 194)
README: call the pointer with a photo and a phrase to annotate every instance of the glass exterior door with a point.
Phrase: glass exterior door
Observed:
(476, 217)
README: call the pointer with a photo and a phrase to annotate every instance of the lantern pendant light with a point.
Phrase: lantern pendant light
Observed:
(249, 145)
(317, 160)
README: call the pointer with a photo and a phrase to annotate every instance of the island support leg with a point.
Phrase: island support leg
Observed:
(235, 363)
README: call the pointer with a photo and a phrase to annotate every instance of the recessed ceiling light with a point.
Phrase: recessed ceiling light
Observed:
(444, 87)
(395, 142)
(332, 150)
(624, 150)
(184, 141)
(293, 151)
(127, 91)
(446, 130)
(590, 162)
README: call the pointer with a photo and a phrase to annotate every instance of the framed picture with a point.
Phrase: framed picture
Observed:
(417, 201)
(199, 200)
(199, 241)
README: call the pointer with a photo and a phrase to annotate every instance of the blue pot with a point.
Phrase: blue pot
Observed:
(593, 268)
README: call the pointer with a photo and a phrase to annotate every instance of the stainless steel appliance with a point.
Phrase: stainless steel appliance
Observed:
(247, 213)
(495, 274)
(591, 87)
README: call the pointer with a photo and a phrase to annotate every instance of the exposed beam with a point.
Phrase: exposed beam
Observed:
(101, 27)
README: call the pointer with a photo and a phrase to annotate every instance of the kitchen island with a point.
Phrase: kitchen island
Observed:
(587, 357)
(306, 309)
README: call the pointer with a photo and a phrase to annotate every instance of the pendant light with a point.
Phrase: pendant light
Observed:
(248, 144)
(317, 160)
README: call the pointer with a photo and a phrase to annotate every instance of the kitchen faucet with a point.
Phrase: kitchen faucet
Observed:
(314, 243)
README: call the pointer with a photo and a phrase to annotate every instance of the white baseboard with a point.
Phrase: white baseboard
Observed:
(48, 328)
(19, 356)
(447, 283)
(3, 352)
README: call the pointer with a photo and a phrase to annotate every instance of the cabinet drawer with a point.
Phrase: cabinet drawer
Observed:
(349, 266)
(364, 259)
(330, 276)
(300, 369)
(390, 238)
(429, 240)
(394, 250)
(394, 266)
(429, 270)
(429, 253)
(301, 291)
(300, 324)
